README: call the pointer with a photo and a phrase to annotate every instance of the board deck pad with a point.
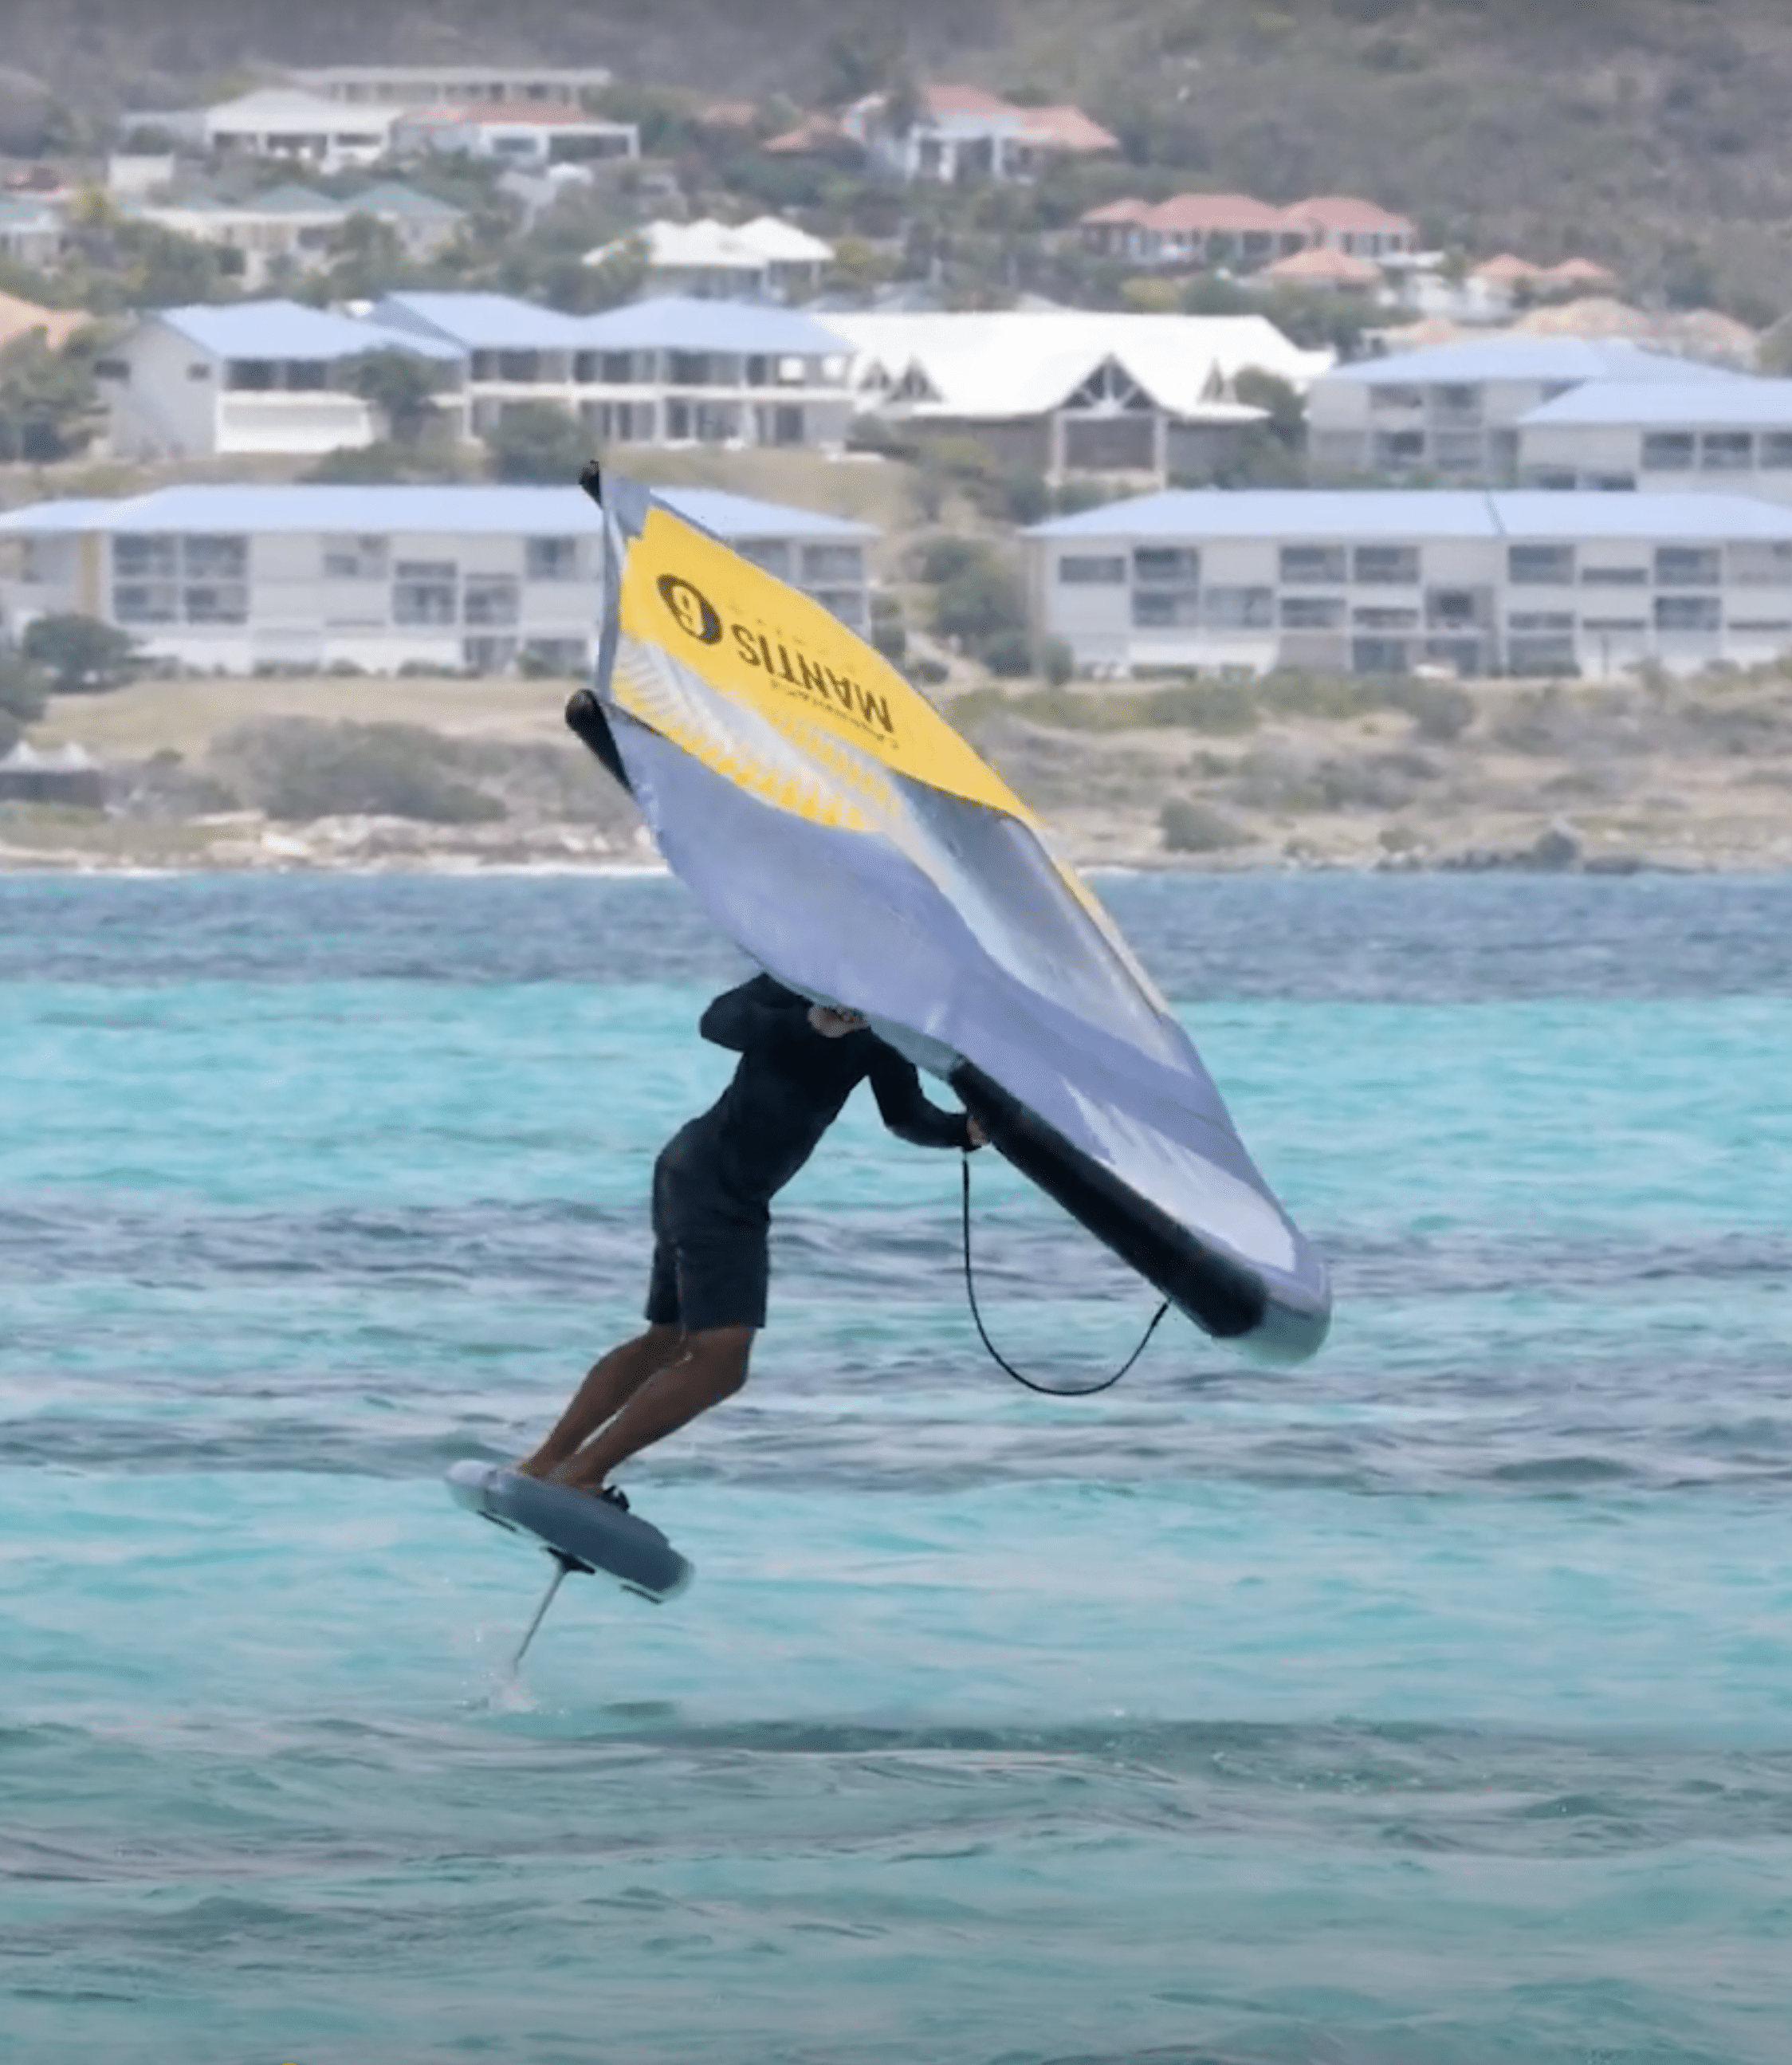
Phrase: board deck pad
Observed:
(590, 1534)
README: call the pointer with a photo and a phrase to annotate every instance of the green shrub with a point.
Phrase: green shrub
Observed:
(23, 690)
(890, 639)
(943, 558)
(303, 769)
(1008, 654)
(1224, 709)
(80, 655)
(1057, 662)
(1191, 825)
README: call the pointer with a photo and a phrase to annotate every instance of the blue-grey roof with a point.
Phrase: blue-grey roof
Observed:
(480, 322)
(677, 322)
(1522, 358)
(292, 200)
(1410, 516)
(288, 330)
(393, 197)
(442, 512)
(1745, 403)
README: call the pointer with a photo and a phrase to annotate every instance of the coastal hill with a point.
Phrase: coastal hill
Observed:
(1646, 133)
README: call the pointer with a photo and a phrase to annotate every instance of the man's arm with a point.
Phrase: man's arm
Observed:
(759, 1014)
(896, 1083)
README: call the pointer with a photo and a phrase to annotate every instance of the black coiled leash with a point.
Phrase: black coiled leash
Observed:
(1045, 1390)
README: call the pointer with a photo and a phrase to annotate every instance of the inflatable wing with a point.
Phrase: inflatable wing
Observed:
(837, 827)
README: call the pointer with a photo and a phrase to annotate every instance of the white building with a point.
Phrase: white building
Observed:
(1456, 408)
(281, 122)
(954, 134)
(1063, 392)
(1384, 580)
(1732, 436)
(230, 579)
(291, 229)
(665, 372)
(31, 234)
(251, 376)
(528, 136)
(430, 86)
(765, 260)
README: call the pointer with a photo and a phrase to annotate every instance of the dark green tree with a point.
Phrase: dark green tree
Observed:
(80, 655)
(49, 404)
(403, 387)
(535, 442)
(22, 696)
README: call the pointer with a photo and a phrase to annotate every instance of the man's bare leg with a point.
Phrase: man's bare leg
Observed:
(609, 1386)
(712, 1366)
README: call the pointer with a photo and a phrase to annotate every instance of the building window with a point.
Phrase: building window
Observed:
(1668, 451)
(1727, 451)
(1540, 566)
(619, 369)
(1380, 656)
(551, 559)
(832, 562)
(145, 602)
(559, 656)
(1688, 612)
(1395, 398)
(1385, 620)
(847, 604)
(788, 425)
(355, 559)
(1688, 566)
(1165, 609)
(1451, 609)
(1528, 621)
(1314, 566)
(215, 559)
(196, 371)
(1092, 570)
(523, 368)
(1312, 612)
(690, 369)
(1776, 451)
(1542, 654)
(219, 603)
(488, 656)
(1238, 608)
(494, 599)
(306, 376)
(1166, 566)
(136, 558)
(424, 591)
(1387, 566)
(1761, 564)
(1614, 577)
(252, 376)
(771, 554)
(1621, 625)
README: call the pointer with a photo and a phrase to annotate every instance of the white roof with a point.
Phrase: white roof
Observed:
(215, 508)
(1740, 403)
(1023, 362)
(1412, 515)
(715, 246)
(279, 107)
(1522, 359)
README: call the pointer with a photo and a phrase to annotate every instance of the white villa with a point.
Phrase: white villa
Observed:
(765, 259)
(230, 579)
(1455, 409)
(251, 376)
(281, 122)
(1730, 437)
(1065, 392)
(1384, 580)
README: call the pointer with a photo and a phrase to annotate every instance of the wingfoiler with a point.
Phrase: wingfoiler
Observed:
(837, 827)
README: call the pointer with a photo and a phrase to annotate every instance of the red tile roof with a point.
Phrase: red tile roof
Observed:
(1063, 129)
(1343, 212)
(1215, 214)
(1116, 211)
(814, 132)
(1338, 269)
(938, 100)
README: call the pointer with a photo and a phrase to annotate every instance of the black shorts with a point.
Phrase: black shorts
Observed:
(712, 1258)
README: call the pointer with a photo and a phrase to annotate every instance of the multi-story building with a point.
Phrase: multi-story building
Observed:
(251, 376)
(954, 134)
(669, 371)
(1063, 392)
(232, 579)
(1237, 230)
(291, 230)
(1731, 436)
(526, 135)
(279, 122)
(1383, 581)
(1454, 409)
(765, 260)
(431, 86)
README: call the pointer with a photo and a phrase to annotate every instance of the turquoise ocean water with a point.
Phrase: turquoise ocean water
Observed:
(1428, 1705)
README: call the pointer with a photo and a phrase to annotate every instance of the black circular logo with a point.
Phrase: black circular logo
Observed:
(691, 610)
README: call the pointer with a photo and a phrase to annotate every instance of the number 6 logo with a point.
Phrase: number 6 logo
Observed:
(691, 610)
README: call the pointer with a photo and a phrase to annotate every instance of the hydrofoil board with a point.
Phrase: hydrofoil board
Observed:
(585, 1533)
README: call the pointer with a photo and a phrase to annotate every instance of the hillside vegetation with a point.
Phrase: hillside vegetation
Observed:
(1644, 131)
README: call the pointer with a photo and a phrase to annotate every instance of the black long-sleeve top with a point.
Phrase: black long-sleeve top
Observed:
(789, 1090)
